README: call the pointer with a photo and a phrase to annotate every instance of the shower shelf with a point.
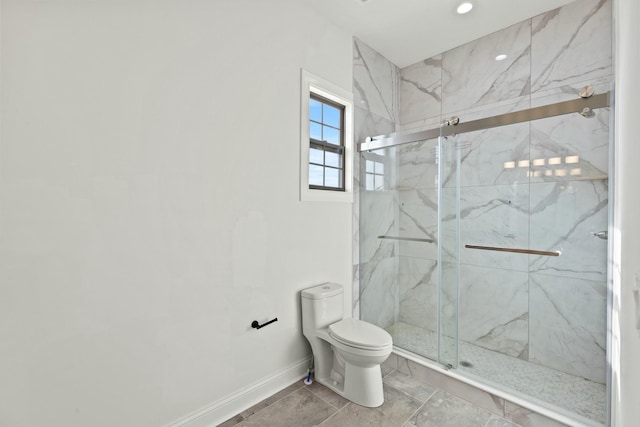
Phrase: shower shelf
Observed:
(514, 250)
(411, 239)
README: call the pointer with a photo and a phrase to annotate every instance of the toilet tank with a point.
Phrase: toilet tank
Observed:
(322, 305)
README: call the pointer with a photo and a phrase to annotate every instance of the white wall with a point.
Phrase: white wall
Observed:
(626, 338)
(149, 203)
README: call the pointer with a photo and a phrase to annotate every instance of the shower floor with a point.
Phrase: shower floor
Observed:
(574, 394)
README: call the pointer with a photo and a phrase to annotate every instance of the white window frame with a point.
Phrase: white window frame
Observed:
(311, 83)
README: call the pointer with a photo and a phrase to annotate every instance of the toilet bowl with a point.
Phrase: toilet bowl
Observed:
(347, 352)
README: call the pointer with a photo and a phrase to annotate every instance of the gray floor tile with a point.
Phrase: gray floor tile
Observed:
(397, 408)
(327, 395)
(445, 410)
(300, 409)
(500, 422)
(232, 421)
(410, 385)
(271, 399)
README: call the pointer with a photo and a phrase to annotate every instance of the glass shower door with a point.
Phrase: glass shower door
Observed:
(532, 263)
(399, 272)
(449, 158)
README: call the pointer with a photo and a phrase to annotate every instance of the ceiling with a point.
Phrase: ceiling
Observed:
(407, 31)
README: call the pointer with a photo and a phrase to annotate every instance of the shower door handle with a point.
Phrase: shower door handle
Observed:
(514, 250)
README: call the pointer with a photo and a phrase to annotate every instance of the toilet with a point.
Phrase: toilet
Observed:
(347, 352)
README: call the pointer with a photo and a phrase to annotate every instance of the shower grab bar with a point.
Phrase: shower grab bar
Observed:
(411, 239)
(514, 250)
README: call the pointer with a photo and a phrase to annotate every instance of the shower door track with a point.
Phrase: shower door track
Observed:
(583, 106)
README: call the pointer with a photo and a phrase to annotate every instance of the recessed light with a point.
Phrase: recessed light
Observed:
(501, 57)
(464, 7)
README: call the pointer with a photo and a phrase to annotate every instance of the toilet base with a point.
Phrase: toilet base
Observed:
(362, 385)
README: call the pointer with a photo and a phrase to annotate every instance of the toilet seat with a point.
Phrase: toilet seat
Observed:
(359, 334)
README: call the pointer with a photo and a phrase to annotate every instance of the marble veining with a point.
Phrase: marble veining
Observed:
(563, 216)
(570, 319)
(532, 323)
(375, 82)
(421, 90)
(487, 80)
(493, 311)
(571, 43)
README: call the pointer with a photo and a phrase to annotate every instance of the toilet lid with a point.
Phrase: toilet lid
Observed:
(357, 333)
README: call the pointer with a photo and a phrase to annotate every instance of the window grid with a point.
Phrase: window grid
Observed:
(326, 173)
(374, 175)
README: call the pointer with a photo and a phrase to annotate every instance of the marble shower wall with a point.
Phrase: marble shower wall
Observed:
(539, 185)
(376, 262)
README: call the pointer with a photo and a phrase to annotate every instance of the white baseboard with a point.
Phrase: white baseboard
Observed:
(225, 408)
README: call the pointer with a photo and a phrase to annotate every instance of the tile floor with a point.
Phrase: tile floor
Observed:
(408, 403)
(574, 394)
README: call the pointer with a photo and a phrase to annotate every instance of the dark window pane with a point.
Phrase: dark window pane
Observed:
(331, 116)
(331, 135)
(315, 131)
(315, 110)
(316, 156)
(315, 175)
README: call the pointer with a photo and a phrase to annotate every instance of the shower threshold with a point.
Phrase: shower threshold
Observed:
(576, 395)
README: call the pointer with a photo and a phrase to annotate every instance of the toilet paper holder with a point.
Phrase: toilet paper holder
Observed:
(257, 325)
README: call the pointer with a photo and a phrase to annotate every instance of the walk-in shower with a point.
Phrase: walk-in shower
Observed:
(483, 208)
(483, 248)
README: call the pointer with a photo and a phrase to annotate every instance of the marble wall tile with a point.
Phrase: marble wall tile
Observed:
(375, 82)
(378, 268)
(563, 216)
(379, 293)
(419, 125)
(418, 167)
(570, 147)
(568, 325)
(494, 156)
(571, 91)
(571, 43)
(378, 211)
(368, 123)
(496, 215)
(418, 292)
(494, 306)
(471, 76)
(418, 211)
(420, 90)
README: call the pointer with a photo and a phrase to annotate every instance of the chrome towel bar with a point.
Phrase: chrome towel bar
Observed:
(411, 239)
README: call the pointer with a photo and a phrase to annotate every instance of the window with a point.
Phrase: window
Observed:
(326, 144)
(326, 147)
(374, 175)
